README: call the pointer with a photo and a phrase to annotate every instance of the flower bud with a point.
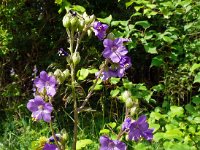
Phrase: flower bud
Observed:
(74, 23)
(133, 110)
(129, 103)
(125, 95)
(66, 21)
(81, 25)
(76, 58)
(66, 73)
(57, 72)
(85, 15)
(89, 32)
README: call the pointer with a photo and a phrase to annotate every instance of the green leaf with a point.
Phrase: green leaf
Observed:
(129, 3)
(116, 23)
(82, 74)
(114, 80)
(140, 146)
(156, 115)
(98, 87)
(157, 136)
(197, 120)
(197, 78)
(196, 99)
(58, 1)
(150, 49)
(83, 143)
(78, 8)
(144, 24)
(104, 131)
(114, 93)
(154, 126)
(194, 67)
(92, 71)
(157, 61)
(176, 111)
(173, 134)
(190, 108)
(112, 125)
(106, 20)
(167, 39)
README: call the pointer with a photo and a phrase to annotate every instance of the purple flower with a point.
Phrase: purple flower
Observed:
(47, 83)
(126, 124)
(100, 29)
(58, 136)
(108, 144)
(140, 129)
(114, 49)
(125, 62)
(48, 146)
(62, 52)
(40, 109)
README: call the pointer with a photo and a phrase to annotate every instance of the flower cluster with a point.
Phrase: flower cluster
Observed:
(45, 87)
(114, 52)
(135, 129)
(50, 144)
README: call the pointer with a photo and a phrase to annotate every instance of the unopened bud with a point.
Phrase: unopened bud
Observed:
(129, 103)
(66, 21)
(74, 23)
(89, 32)
(81, 25)
(57, 72)
(126, 95)
(133, 110)
(66, 73)
(76, 58)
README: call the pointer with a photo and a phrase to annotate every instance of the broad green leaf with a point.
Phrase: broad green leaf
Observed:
(196, 99)
(114, 93)
(83, 143)
(150, 49)
(197, 78)
(140, 146)
(114, 80)
(151, 6)
(116, 23)
(129, 3)
(137, 8)
(176, 111)
(92, 71)
(78, 8)
(190, 108)
(106, 20)
(157, 61)
(157, 136)
(58, 1)
(197, 120)
(112, 125)
(154, 126)
(173, 134)
(104, 131)
(194, 67)
(156, 115)
(167, 39)
(82, 74)
(144, 24)
(98, 87)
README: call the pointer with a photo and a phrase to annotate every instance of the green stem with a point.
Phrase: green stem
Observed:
(92, 88)
(54, 136)
(72, 66)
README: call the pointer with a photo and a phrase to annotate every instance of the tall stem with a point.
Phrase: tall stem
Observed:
(72, 67)
(54, 136)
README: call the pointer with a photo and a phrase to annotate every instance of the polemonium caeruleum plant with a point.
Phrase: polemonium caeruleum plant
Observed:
(116, 63)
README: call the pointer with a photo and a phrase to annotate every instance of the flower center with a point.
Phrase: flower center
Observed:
(114, 48)
(40, 107)
(99, 28)
(111, 145)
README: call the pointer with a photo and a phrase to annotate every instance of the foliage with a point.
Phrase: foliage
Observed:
(165, 70)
